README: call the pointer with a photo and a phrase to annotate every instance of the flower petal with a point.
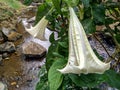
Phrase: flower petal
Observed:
(38, 31)
(82, 59)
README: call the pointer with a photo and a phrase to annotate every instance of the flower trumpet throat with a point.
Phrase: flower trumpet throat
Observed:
(81, 57)
(38, 30)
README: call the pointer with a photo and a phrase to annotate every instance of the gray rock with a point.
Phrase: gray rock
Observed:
(12, 35)
(5, 55)
(7, 47)
(33, 50)
(1, 59)
(3, 86)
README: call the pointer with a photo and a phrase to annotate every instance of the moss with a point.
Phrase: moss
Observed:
(13, 4)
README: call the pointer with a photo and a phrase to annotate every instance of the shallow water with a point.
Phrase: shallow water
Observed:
(20, 74)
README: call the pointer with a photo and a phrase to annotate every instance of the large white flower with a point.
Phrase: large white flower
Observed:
(38, 30)
(81, 58)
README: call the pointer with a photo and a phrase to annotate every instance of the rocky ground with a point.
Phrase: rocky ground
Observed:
(20, 55)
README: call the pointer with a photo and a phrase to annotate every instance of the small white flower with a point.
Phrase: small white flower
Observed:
(81, 58)
(38, 30)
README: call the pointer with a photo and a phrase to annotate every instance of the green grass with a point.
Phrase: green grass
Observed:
(15, 4)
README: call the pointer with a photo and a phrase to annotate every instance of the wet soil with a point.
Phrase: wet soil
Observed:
(18, 73)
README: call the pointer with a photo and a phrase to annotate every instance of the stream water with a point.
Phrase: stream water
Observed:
(20, 74)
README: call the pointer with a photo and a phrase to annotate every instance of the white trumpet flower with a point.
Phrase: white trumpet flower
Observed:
(81, 58)
(38, 30)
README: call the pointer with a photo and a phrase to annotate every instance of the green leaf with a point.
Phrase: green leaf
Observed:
(27, 2)
(56, 54)
(50, 57)
(86, 3)
(56, 3)
(63, 44)
(108, 21)
(98, 13)
(97, 54)
(49, 1)
(72, 2)
(52, 38)
(89, 26)
(43, 9)
(113, 79)
(89, 80)
(118, 38)
(54, 76)
(43, 83)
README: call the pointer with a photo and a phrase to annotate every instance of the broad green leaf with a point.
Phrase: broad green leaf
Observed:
(43, 9)
(89, 26)
(50, 57)
(89, 80)
(98, 13)
(113, 79)
(57, 3)
(54, 76)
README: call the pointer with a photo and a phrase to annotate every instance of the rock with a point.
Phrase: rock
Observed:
(1, 37)
(12, 35)
(1, 61)
(7, 47)
(5, 55)
(0, 57)
(33, 50)
(31, 20)
(3, 86)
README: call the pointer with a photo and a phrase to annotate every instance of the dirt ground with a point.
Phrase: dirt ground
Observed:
(16, 72)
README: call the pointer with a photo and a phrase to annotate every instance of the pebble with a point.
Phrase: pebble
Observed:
(17, 86)
(13, 83)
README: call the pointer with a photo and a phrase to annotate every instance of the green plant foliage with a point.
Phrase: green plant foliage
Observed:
(98, 12)
(118, 37)
(113, 78)
(94, 13)
(27, 2)
(89, 26)
(42, 11)
(72, 2)
(54, 76)
(43, 83)
(89, 80)
(15, 4)
(57, 5)
(86, 3)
